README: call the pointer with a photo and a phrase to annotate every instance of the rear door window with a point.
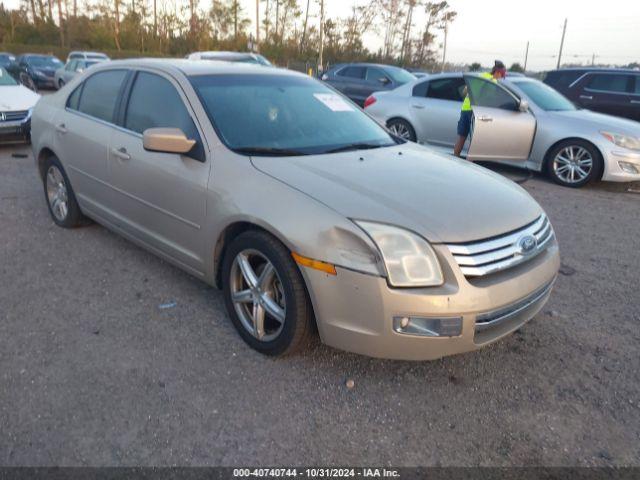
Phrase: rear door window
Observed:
(352, 72)
(100, 94)
(446, 89)
(613, 83)
(154, 103)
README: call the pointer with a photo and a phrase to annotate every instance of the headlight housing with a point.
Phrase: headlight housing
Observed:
(624, 141)
(409, 259)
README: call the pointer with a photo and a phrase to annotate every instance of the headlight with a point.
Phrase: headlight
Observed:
(624, 141)
(38, 73)
(409, 259)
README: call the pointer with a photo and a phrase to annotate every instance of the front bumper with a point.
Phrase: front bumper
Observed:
(355, 311)
(44, 82)
(15, 131)
(613, 169)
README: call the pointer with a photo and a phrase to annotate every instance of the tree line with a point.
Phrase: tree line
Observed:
(288, 31)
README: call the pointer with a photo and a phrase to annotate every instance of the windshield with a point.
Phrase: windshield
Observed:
(285, 114)
(44, 62)
(400, 75)
(544, 96)
(6, 79)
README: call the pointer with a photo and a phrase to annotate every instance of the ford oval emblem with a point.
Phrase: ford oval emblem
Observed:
(527, 244)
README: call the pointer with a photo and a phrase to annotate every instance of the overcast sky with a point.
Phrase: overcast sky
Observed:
(488, 29)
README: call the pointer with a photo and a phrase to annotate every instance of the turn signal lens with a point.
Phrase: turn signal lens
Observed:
(369, 101)
(315, 264)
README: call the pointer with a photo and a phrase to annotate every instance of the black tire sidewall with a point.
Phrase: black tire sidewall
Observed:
(412, 132)
(74, 215)
(290, 277)
(596, 170)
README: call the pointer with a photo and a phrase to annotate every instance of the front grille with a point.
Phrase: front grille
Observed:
(499, 253)
(13, 116)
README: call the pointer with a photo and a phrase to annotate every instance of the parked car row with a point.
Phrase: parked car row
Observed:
(313, 218)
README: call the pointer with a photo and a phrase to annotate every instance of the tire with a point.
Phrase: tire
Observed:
(401, 128)
(59, 195)
(284, 286)
(574, 163)
(28, 82)
(60, 84)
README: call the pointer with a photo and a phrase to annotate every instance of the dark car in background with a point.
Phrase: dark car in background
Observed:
(613, 91)
(359, 80)
(35, 70)
(6, 59)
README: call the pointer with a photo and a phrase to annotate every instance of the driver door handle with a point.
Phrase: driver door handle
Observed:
(635, 102)
(62, 129)
(415, 105)
(586, 97)
(121, 153)
(485, 118)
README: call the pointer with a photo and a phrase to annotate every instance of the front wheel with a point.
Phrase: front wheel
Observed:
(265, 295)
(60, 84)
(574, 163)
(402, 128)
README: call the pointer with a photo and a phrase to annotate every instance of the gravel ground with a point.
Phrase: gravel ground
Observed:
(93, 372)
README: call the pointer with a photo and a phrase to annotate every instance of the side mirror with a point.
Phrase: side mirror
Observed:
(523, 106)
(167, 140)
(384, 80)
(80, 70)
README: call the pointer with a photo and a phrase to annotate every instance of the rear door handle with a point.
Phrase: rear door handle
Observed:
(62, 129)
(485, 118)
(417, 106)
(586, 97)
(121, 153)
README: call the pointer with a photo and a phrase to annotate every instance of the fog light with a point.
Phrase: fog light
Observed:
(628, 167)
(428, 327)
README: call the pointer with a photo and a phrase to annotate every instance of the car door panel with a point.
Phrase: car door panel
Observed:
(83, 132)
(500, 131)
(608, 93)
(161, 197)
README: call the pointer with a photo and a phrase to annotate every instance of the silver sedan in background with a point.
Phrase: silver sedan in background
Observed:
(520, 121)
(73, 67)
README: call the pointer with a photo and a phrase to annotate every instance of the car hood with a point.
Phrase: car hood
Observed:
(442, 198)
(17, 97)
(602, 121)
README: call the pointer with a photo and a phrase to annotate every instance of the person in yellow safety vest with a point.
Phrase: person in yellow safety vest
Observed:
(466, 113)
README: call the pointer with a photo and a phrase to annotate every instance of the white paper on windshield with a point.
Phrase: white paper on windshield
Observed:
(334, 102)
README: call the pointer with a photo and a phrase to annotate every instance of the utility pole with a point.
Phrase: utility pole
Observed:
(564, 31)
(446, 33)
(257, 24)
(526, 57)
(593, 60)
(320, 60)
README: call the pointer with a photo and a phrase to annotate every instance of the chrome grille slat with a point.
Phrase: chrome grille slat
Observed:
(13, 116)
(483, 258)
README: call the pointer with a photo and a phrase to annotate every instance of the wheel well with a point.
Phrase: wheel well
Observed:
(44, 154)
(228, 235)
(547, 155)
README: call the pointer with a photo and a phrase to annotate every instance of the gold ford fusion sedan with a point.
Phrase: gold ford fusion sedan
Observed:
(299, 206)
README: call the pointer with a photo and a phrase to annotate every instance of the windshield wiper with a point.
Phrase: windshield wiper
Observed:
(356, 146)
(269, 151)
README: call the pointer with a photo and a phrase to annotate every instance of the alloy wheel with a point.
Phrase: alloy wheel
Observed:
(57, 194)
(257, 295)
(573, 164)
(400, 130)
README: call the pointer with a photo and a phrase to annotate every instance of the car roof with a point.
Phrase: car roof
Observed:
(364, 64)
(196, 67)
(596, 69)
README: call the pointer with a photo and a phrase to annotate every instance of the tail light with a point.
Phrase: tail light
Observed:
(369, 101)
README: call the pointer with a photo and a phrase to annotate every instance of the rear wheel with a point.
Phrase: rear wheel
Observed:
(265, 295)
(60, 197)
(574, 163)
(402, 128)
